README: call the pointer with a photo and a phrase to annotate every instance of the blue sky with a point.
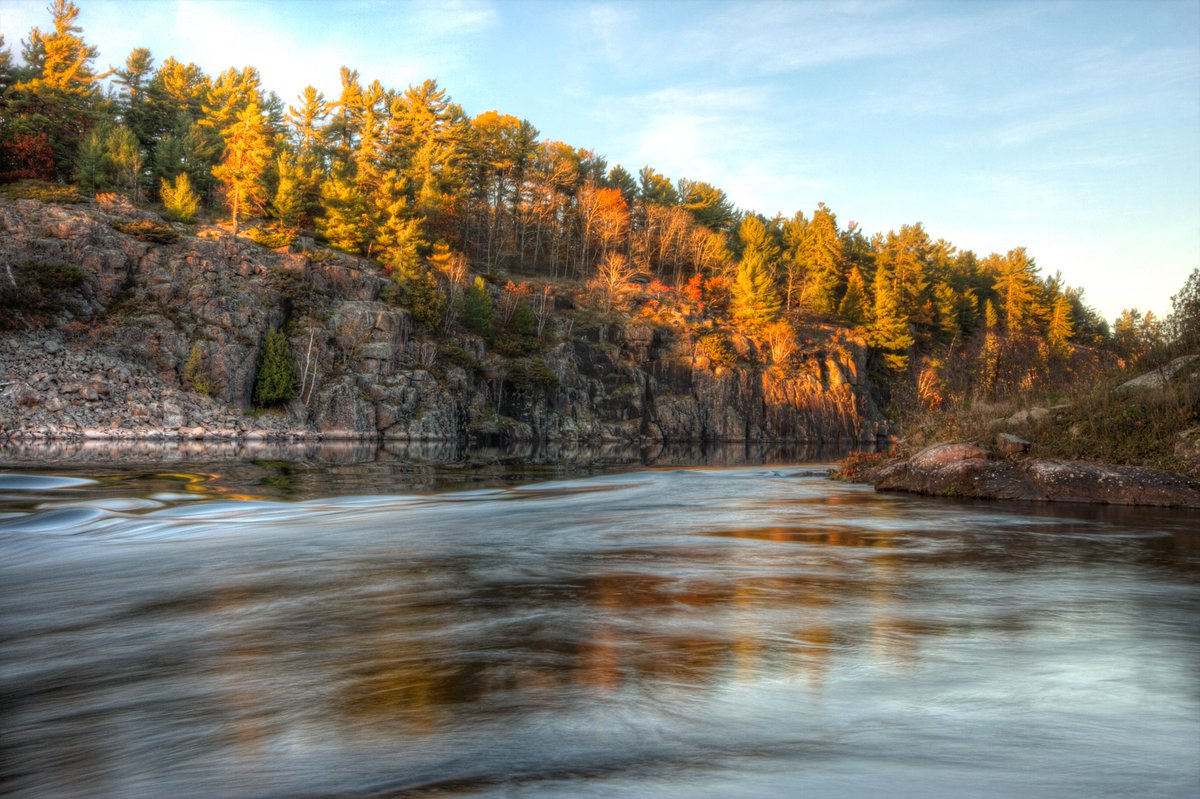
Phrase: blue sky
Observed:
(1069, 128)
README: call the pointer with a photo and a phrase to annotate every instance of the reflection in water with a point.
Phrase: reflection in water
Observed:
(712, 632)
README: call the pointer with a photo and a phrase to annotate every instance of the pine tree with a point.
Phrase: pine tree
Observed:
(824, 260)
(60, 95)
(1019, 291)
(854, 307)
(243, 169)
(345, 222)
(8, 73)
(134, 82)
(275, 382)
(109, 158)
(755, 302)
(477, 308)
(1062, 327)
(288, 203)
(178, 198)
(989, 353)
(947, 303)
(890, 332)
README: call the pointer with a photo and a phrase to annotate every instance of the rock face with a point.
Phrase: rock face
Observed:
(965, 470)
(113, 359)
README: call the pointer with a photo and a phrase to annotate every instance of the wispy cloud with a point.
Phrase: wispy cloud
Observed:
(716, 134)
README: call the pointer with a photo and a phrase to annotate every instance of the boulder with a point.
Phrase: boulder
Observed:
(964, 470)
(1008, 445)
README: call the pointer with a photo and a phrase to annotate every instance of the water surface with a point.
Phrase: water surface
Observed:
(270, 629)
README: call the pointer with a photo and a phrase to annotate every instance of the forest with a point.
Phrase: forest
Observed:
(407, 178)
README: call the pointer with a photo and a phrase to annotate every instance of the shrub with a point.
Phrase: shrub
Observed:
(194, 374)
(715, 346)
(523, 322)
(146, 230)
(272, 236)
(513, 345)
(42, 191)
(424, 298)
(275, 382)
(452, 353)
(179, 200)
(530, 375)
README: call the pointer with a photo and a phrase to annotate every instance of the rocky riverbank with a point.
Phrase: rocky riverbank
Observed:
(959, 469)
(107, 306)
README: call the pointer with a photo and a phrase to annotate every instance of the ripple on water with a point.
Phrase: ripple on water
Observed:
(10, 481)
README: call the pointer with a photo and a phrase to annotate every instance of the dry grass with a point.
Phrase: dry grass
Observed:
(1090, 420)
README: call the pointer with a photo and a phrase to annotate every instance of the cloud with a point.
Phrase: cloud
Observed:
(718, 135)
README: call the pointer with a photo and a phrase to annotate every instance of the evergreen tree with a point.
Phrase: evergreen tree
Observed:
(656, 189)
(989, 353)
(1062, 327)
(8, 72)
(424, 298)
(620, 179)
(1017, 285)
(178, 198)
(288, 203)
(133, 82)
(189, 149)
(889, 332)
(275, 382)
(754, 302)
(477, 308)
(854, 307)
(795, 259)
(824, 262)
(948, 304)
(109, 158)
(707, 204)
(60, 93)
(342, 132)
(243, 169)
(345, 221)
(1184, 322)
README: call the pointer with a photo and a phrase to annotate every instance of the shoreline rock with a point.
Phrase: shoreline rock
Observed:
(957, 469)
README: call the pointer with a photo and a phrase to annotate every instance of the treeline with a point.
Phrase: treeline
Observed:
(405, 177)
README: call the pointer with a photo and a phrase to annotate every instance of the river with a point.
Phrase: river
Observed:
(599, 625)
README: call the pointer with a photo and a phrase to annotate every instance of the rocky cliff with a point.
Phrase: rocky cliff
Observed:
(109, 319)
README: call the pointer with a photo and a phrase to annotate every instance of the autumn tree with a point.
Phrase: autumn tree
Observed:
(1061, 327)
(178, 198)
(613, 274)
(1019, 291)
(603, 220)
(243, 168)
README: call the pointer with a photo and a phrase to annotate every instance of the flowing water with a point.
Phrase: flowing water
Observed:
(393, 627)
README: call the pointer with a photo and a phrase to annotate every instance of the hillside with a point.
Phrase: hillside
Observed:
(122, 325)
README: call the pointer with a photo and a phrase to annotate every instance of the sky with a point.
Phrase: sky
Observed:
(1069, 128)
